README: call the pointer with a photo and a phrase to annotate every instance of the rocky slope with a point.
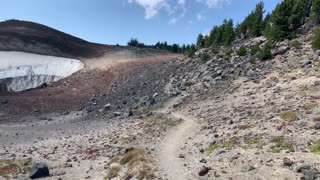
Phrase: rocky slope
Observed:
(184, 119)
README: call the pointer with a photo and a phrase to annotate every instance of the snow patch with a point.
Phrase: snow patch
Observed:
(21, 71)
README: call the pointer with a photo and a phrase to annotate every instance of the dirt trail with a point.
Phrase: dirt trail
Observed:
(169, 161)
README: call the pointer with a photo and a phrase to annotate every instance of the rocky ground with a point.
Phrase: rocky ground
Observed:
(184, 119)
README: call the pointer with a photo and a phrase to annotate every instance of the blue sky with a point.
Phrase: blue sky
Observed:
(116, 21)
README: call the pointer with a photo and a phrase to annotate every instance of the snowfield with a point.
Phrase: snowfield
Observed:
(21, 71)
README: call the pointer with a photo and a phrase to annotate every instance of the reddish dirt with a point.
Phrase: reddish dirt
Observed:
(72, 93)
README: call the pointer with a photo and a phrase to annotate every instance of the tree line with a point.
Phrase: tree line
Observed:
(175, 48)
(282, 23)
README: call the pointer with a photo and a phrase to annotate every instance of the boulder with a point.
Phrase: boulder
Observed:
(287, 162)
(203, 171)
(150, 101)
(305, 62)
(128, 113)
(247, 168)
(116, 114)
(39, 170)
(317, 126)
(107, 107)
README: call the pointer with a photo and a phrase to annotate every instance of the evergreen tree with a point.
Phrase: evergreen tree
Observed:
(200, 41)
(315, 11)
(228, 34)
(287, 17)
(133, 42)
(253, 24)
(175, 48)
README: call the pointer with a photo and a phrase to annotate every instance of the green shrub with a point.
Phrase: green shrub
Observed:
(252, 60)
(316, 40)
(190, 53)
(295, 44)
(265, 54)
(255, 49)
(242, 51)
(205, 57)
(215, 49)
(228, 53)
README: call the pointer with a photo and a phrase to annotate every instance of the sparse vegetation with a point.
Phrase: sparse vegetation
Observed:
(13, 167)
(215, 49)
(279, 144)
(190, 50)
(229, 144)
(288, 116)
(133, 156)
(315, 147)
(255, 49)
(205, 57)
(252, 60)
(265, 53)
(242, 51)
(228, 53)
(113, 172)
(295, 44)
(316, 39)
(310, 105)
(252, 140)
(134, 163)
(145, 173)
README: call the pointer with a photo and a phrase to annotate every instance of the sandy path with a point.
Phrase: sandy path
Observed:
(169, 161)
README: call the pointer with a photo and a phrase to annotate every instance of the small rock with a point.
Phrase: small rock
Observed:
(151, 101)
(305, 62)
(39, 170)
(181, 156)
(287, 162)
(4, 101)
(203, 171)
(317, 83)
(116, 114)
(247, 168)
(317, 126)
(128, 113)
(309, 175)
(203, 160)
(303, 168)
(107, 107)
(128, 149)
(67, 165)
(220, 151)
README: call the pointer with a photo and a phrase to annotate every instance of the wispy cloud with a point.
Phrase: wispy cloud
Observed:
(200, 17)
(213, 3)
(176, 9)
(152, 7)
(173, 20)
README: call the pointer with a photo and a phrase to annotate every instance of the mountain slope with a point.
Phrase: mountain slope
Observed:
(31, 37)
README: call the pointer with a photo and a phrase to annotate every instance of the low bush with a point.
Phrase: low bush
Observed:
(242, 51)
(205, 57)
(255, 49)
(265, 53)
(316, 39)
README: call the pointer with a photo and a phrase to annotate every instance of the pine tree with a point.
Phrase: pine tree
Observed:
(228, 34)
(315, 11)
(253, 24)
(200, 41)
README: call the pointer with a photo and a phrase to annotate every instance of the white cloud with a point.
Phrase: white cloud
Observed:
(213, 3)
(151, 7)
(173, 21)
(200, 17)
(181, 2)
(176, 9)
